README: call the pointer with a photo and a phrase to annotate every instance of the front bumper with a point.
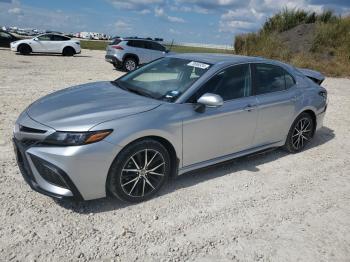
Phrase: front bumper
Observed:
(32, 176)
(13, 47)
(78, 172)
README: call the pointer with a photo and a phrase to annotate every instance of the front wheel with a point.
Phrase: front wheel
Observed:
(24, 49)
(139, 171)
(300, 133)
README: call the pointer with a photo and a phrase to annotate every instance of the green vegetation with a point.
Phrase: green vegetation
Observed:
(330, 46)
(101, 45)
(289, 18)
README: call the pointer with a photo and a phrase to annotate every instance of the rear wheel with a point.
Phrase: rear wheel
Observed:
(68, 51)
(24, 49)
(139, 171)
(129, 64)
(300, 133)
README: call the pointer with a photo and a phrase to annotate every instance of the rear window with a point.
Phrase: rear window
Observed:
(137, 43)
(115, 42)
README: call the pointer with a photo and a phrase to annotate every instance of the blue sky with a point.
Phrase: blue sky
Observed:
(197, 21)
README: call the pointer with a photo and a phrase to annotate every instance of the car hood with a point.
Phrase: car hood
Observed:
(79, 108)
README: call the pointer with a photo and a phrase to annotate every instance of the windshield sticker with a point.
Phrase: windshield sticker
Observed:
(198, 65)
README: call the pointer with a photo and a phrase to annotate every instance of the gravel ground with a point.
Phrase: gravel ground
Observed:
(268, 207)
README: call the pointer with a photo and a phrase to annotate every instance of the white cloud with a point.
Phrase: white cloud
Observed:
(159, 12)
(135, 4)
(15, 11)
(122, 27)
(144, 11)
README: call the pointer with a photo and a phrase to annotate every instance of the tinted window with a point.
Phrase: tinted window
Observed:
(157, 47)
(44, 37)
(5, 35)
(59, 38)
(289, 80)
(271, 78)
(135, 43)
(231, 83)
(116, 41)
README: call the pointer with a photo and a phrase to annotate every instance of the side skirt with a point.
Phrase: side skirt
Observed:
(217, 160)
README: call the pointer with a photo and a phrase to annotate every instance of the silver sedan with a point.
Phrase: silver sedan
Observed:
(127, 137)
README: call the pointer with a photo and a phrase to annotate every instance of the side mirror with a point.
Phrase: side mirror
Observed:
(36, 39)
(208, 100)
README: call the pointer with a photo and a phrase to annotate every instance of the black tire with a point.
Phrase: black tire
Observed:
(131, 178)
(68, 51)
(129, 64)
(24, 49)
(300, 133)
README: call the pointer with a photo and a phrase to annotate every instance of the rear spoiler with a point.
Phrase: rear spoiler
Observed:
(315, 76)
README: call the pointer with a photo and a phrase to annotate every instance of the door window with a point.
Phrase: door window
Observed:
(44, 37)
(157, 47)
(5, 35)
(59, 38)
(136, 43)
(231, 83)
(271, 78)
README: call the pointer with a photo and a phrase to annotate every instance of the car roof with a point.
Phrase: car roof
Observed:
(219, 58)
(135, 39)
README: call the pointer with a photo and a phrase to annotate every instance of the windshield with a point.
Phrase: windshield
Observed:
(164, 79)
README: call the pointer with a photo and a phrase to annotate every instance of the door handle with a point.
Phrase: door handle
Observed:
(249, 108)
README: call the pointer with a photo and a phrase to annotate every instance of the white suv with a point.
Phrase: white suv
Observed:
(128, 53)
(47, 43)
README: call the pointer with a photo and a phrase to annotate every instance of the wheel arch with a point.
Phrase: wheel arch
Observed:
(127, 55)
(24, 44)
(312, 113)
(165, 142)
(68, 46)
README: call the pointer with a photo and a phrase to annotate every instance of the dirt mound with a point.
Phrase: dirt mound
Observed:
(300, 38)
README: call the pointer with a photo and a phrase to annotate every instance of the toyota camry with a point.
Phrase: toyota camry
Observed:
(126, 138)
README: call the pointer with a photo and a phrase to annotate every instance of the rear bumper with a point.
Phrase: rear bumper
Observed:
(320, 118)
(113, 60)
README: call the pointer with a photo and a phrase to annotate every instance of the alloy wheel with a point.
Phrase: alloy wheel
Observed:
(130, 65)
(143, 173)
(302, 133)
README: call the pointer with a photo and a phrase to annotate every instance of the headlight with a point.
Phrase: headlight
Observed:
(76, 138)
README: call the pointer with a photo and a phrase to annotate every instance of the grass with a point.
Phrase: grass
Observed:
(330, 51)
(101, 45)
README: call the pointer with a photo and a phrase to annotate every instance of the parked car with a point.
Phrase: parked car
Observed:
(47, 43)
(128, 53)
(127, 137)
(6, 38)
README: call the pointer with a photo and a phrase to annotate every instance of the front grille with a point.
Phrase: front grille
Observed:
(28, 142)
(48, 172)
(31, 130)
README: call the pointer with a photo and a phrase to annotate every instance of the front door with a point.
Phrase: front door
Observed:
(224, 130)
(41, 43)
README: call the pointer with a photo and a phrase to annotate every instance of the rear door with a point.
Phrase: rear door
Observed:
(277, 95)
(138, 47)
(56, 44)
(156, 50)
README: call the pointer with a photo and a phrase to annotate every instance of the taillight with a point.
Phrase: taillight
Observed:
(117, 47)
(323, 93)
